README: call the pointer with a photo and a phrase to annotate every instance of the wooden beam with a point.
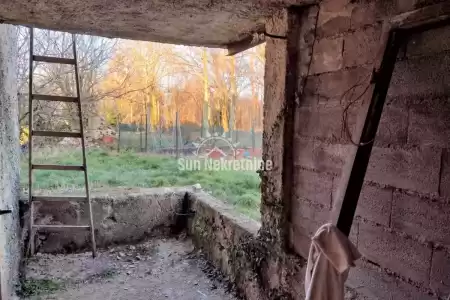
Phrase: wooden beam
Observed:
(361, 161)
(421, 17)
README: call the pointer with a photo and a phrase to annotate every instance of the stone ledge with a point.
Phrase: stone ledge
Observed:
(120, 216)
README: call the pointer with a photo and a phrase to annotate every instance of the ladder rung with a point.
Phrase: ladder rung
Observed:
(56, 133)
(54, 60)
(57, 167)
(61, 227)
(58, 198)
(54, 98)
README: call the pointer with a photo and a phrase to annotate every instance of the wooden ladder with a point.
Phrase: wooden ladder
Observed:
(77, 99)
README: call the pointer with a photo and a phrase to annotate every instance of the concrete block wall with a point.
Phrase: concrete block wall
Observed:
(9, 162)
(403, 218)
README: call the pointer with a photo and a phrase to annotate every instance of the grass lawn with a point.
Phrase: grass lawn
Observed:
(128, 169)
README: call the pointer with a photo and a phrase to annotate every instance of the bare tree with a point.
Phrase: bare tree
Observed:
(56, 79)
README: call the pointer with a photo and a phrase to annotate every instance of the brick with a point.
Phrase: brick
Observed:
(375, 204)
(429, 42)
(393, 127)
(342, 86)
(327, 55)
(421, 76)
(334, 17)
(429, 123)
(444, 185)
(397, 253)
(320, 156)
(415, 169)
(361, 47)
(440, 275)
(423, 217)
(313, 186)
(325, 123)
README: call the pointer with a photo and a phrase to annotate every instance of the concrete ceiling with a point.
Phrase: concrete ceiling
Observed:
(212, 23)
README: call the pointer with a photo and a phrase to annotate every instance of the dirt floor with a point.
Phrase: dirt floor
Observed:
(153, 270)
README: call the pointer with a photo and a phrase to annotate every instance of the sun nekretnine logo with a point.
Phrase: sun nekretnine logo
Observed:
(219, 153)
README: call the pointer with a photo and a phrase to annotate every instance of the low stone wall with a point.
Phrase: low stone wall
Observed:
(120, 216)
(229, 241)
(236, 245)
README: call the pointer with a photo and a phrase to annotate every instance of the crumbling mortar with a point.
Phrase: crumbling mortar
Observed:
(318, 171)
(432, 197)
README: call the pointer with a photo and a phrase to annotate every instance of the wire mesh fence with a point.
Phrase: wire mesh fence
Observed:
(183, 139)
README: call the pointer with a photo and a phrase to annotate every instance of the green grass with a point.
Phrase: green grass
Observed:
(129, 169)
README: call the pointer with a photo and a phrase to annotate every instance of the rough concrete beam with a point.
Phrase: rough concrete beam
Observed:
(190, 22)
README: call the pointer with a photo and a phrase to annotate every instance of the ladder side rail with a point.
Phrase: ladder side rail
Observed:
(83, 146)
(30, 143)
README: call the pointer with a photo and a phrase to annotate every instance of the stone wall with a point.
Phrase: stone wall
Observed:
(9, 162)
(229, 240)
(120, 216)
(403, 212)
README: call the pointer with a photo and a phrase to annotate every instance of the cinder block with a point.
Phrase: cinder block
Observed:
(303, 230)
(313, 186)
(302, 212)
(364, 14)
(445, 174)
(327, 55)
(421, 76)
(415, 169)
(393, 127)
(440, 275)
(423, 217)
(334, 17)
(429, 123)
(310, 97)
(300, 240)
(361, 47)
(375, 204)
(399, 254)
(324, 123)
(429, 42)
(320, 156)
(340, 87)
(374, 283)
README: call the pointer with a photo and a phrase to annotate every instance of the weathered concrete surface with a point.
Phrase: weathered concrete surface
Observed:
(200, 22)
(120, 216)
(9, 162)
